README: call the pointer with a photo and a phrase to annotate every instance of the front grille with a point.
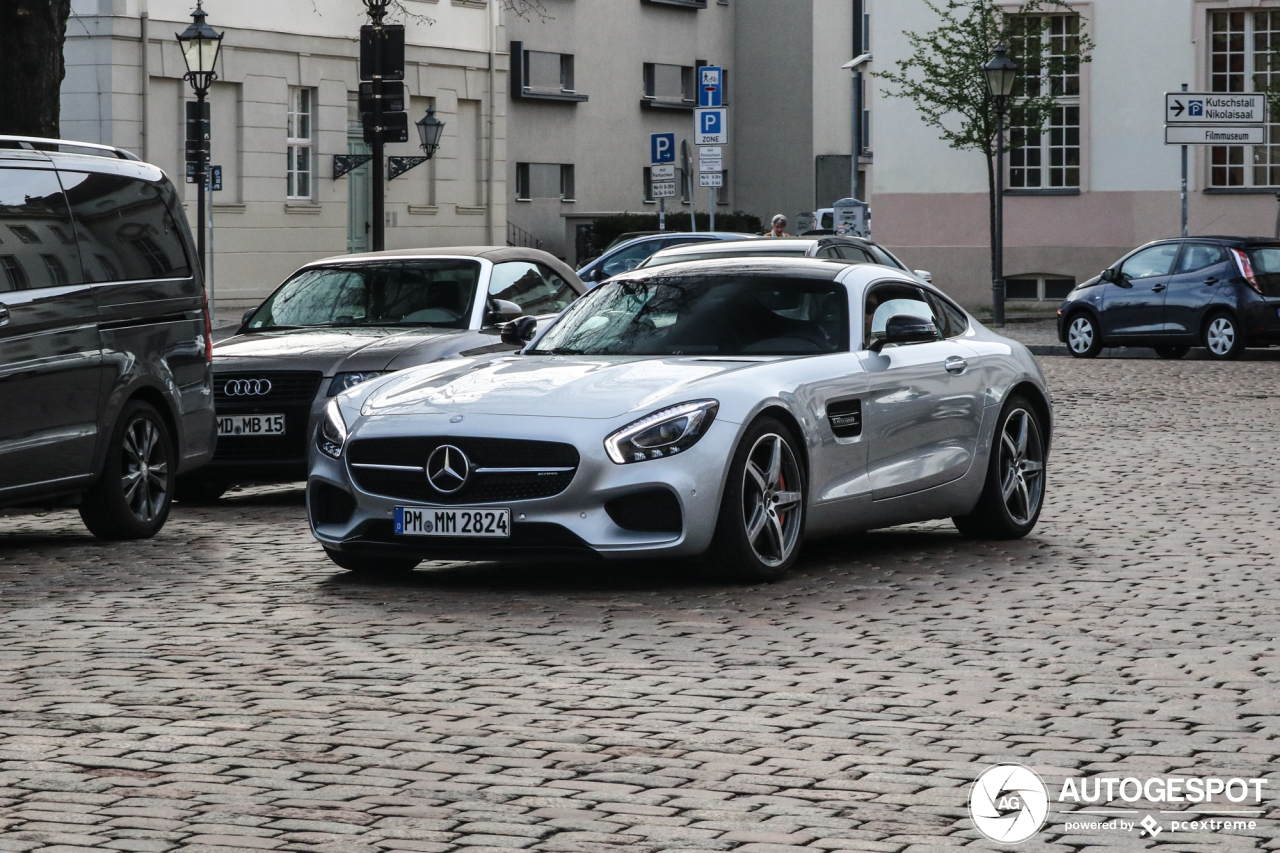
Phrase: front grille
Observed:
(291, 395)
(287, 387)
(481, 487)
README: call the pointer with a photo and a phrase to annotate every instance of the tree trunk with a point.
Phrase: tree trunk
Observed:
(32, 33)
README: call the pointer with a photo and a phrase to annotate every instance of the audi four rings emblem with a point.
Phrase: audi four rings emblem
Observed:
(247, 387)
(448, 469)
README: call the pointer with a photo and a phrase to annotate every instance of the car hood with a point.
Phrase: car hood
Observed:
(548, 386)
(329, 350)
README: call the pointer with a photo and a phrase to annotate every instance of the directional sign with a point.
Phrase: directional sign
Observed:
(662, 148)
(663, 189)
(711, 127)
(662, 173)
(711, 179)
(1214, 108)
(710, 89)
(215, 179)
(1223, 135)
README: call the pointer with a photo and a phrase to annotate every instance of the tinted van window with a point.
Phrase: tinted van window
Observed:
(37, 246)
(125, 228)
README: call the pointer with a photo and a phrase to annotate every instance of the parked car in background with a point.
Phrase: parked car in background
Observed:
(1221, 293)
(626, 256)
(724, 408)
(853, 249)
(105, 380)
(341, 321)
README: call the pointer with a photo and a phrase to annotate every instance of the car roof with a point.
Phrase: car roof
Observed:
(493, 254)
(811, 268)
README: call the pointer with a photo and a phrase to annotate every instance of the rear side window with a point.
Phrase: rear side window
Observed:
(856, 254)
(125, 228)
(949, 319)
(37, 245)
(535, 288)
(1197, 256)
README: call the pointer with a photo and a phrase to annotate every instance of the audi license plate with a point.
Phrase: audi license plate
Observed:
(462, 521)
(250, 425)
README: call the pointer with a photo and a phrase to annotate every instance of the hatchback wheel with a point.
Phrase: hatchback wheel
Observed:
(1083, 339)
(1014, 491)
(1222, 337)
(132, 496)
(1172, 352)
(762, 511)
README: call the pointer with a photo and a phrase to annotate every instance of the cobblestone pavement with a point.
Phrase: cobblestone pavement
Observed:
(222, 687)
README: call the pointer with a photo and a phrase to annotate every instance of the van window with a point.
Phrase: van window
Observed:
(125, 228)
(34, 224)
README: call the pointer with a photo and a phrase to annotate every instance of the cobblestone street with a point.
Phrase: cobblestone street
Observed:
(223, 687)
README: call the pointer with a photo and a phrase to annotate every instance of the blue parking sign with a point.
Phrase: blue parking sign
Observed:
(710, 127)
(710, 86)
(662, 148)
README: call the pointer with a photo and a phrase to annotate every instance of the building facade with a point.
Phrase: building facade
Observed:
(283, 106)
(1099, 180)
(591, 80)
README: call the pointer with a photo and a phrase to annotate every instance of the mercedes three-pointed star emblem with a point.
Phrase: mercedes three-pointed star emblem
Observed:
(448, 469)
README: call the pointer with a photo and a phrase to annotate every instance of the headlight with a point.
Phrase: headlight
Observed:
(343, 381)
(332, 434)
(666, 432)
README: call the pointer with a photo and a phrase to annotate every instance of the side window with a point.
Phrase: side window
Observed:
(855, 254)
(885, 300)
(828, 252)
(629, 258)
(949, 319)
(884, 257)
(35, 228)
(125, 228)
(1153, 261)
(1197, 256)
(536, 289)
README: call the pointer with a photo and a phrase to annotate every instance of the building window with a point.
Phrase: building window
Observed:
(15, 276)
(1038, 287)
(1243, 58)
(544, 180)
(522, 182)
(566, 183)
(300, 142)
(671, 83)
(57, 272)
(24, 234)
(547, 72)
(1049, 157)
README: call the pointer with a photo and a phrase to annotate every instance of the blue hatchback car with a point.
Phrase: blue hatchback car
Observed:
(627, 255)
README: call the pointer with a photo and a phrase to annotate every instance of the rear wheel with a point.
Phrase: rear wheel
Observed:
(1223, 337)
(1014, 491)
(1083, 339)
(134, 491)
(762, 512)
(367, 566)
(1172, 352)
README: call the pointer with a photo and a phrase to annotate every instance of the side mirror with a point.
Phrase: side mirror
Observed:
(926, 275)
(906, 329)
(1112, 276)
(519, 331)
(502, 311)
(248, 315)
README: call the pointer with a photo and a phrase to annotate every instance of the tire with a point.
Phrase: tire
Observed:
(765, 493)
(197, 489)
(1083, 337)
(367, 566)
(1223, 337)
(1011, 500)
(134, 490)
(1172, 352)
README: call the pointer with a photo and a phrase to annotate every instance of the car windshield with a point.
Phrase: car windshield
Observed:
(401, 293)
(761, 251)
(725, 315)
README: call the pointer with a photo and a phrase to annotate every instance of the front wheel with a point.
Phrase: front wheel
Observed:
(1172, 352)
(1223, 338)
(134, 491)
(1083, 339)
(762, 512)
(367, 566)
(1014, 491)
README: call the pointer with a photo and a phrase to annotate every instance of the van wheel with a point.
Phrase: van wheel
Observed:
(371, 567)
(134, 491)
(195, 489)
(1223, 337)
(1013, 495)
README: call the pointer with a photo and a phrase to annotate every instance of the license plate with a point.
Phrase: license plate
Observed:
(461, 521)
(250, 425)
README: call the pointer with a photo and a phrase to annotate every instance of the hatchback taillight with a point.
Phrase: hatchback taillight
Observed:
(1246, 269)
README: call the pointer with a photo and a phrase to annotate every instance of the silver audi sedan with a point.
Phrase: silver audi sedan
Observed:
(723, 408)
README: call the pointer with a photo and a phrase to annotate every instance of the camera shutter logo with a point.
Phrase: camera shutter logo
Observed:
(1009, 803)
(247, 387)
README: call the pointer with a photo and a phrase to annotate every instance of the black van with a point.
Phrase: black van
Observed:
(106, 388)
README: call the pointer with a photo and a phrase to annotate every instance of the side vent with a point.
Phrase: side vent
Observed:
(845, 418)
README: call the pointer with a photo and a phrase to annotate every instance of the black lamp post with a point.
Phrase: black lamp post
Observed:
(1001, 73)
(200, 45)
(430, 129)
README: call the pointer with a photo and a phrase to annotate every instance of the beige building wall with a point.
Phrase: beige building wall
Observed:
(116, 94)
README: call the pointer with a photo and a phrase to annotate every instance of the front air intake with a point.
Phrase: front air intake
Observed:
(845, 418)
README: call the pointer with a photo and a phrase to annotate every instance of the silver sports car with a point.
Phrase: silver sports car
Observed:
(719, 408)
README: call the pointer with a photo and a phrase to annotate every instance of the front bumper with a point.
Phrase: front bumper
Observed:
(573, 523)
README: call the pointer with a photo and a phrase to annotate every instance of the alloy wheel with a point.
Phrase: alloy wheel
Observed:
(772, 507)
(1021, 466)
(1221, 336)
(1080, 334)
(145, 470)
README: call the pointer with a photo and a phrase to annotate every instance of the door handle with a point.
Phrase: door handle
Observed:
(955, 364)
(1159, 288)
(4, 314)
(1210, 280)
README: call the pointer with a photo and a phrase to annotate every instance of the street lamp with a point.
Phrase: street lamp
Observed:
(1001, 73)
(430, 129)
(200, 45)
